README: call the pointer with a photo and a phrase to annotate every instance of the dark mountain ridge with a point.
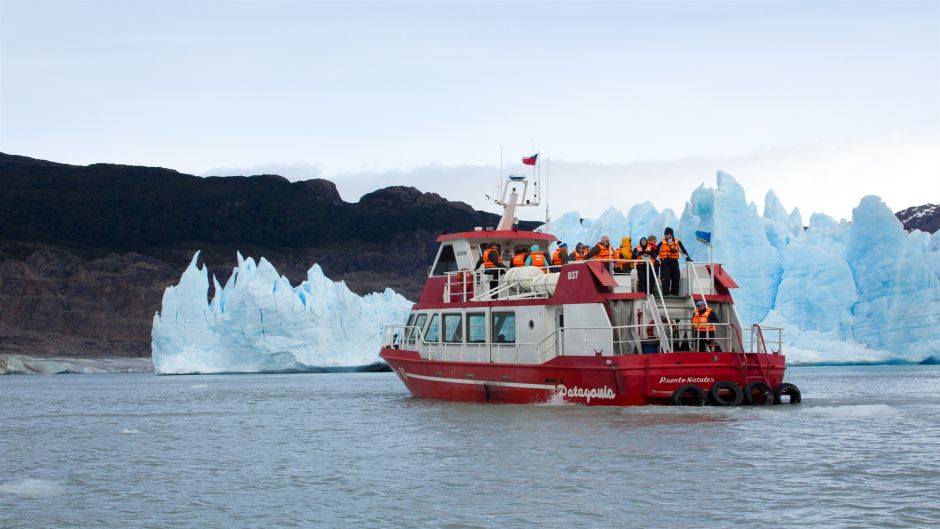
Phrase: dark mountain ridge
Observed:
(925, 218)
(86, 251)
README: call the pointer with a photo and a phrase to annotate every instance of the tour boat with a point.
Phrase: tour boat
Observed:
(585, 332)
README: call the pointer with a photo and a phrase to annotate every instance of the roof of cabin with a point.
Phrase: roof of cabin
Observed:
(497, 235)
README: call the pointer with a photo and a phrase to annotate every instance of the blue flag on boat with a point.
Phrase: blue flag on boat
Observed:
(704, 236)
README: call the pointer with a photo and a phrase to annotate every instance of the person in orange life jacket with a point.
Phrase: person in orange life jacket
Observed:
(560, 257)
(600, 250)
(519, 258)
(580, 250)
(646, 253)
(703, 327)
(624, 252)
(668, 254)
(651, 239)
(492, 262)
(537, 258)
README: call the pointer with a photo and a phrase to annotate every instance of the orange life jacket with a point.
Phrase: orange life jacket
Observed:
(538, 259)
(603, 253)
(519, 259)
(491, 258)
(648, 251)
(669, 250)
(556, 257)
(579, 256)
(624, 253)
(700, 321)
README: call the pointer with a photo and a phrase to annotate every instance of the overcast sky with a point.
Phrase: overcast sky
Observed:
(822, 101)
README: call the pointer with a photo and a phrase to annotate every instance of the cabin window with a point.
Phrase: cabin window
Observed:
(446, 262)
(433, 333)
(476, 327)
(453, 330)
(504, 327)
(413, 333)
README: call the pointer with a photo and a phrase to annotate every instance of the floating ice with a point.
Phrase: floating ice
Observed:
(259, 322)
(859, 291)
(32, 488)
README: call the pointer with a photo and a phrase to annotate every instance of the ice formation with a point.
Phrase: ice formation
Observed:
(859, 291)
(863, 290)
(259, 322)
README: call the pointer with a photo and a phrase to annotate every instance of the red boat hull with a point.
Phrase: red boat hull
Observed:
(628, 380)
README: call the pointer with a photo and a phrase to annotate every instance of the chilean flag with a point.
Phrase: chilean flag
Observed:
(531, 159)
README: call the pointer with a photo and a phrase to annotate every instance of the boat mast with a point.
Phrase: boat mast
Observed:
(517, 198)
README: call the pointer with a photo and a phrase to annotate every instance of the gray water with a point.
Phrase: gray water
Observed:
(354, 450)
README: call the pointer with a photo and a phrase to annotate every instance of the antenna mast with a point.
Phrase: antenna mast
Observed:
(548, 177)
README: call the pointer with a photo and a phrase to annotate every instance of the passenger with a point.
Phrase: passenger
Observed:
(601, 250)
(560, 257)
(668, 254)
(580, 250)
(520, 257)
(492, 263)
(703, 327)
(537, 258)
(655, 270)
(624, 253)
(646, 253)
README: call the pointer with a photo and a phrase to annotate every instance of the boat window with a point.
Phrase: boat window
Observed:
(453, 330)
(433, 334)
(415, 320)
(476, 327)
(447, 262)
(504, 327)
(419, 326)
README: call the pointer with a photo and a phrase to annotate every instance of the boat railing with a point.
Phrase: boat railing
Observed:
(567, 341)
(483, 285)
(638, 339)
(759, 342)
(631, 275)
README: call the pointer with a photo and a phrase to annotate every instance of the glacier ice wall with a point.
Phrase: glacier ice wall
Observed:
(259, 322)
(863, 290)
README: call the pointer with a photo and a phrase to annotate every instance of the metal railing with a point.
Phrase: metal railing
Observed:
(476, 285)
(489, 283)
(759, 342)
(566, 341)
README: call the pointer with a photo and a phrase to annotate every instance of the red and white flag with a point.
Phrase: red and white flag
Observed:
(531, 159)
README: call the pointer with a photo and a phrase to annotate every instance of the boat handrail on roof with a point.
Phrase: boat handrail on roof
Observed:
(496, 235)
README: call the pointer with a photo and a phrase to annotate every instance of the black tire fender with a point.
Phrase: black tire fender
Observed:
(787, 389)
(764, 394)
(688, 395)
(715, 393)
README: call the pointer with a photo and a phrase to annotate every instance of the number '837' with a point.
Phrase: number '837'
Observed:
(572, 275)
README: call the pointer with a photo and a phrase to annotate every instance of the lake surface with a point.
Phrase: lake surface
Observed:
(354, 450)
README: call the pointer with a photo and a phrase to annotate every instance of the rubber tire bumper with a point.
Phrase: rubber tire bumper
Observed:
(714, 393)
(680, 394)
(761, 388)
(787, 389)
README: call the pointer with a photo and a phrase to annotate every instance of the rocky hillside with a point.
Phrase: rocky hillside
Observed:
(86, 251)
(924, 218)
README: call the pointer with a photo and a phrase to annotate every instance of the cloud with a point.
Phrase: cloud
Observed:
(828, 177)
(291, 170)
